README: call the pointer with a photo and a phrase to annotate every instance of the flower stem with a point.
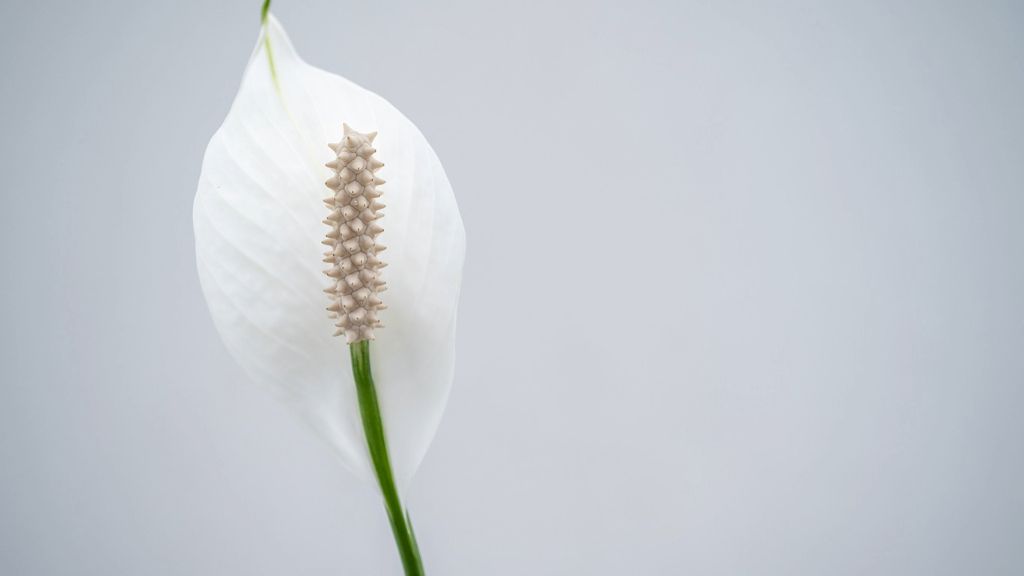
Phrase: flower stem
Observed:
(373, 426)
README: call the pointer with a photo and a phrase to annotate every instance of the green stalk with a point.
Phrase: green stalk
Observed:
(369, 408)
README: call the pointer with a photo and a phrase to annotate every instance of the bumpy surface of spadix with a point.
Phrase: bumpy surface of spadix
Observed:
(258, 226)
(352, 246)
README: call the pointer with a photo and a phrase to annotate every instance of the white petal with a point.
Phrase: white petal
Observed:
(257, 216)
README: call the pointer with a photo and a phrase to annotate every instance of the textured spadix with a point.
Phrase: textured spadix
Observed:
(258, 220)
(352, 246)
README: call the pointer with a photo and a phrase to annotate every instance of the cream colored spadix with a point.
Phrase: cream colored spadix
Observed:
(259, 222)
(355, 268)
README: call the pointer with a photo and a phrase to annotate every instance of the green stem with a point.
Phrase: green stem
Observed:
(373, 426)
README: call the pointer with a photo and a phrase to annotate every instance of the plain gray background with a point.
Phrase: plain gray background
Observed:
(743, 292)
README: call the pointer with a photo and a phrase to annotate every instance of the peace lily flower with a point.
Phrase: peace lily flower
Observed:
(287, 263)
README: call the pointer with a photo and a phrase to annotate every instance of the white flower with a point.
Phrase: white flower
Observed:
(258, 228)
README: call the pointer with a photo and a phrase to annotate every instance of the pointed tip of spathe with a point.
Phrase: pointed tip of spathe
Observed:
(264, 12)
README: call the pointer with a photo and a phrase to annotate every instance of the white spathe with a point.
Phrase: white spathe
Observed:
(258, 225)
